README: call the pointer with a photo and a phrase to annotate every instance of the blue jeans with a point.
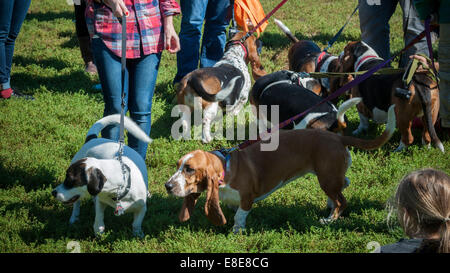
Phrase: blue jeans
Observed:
(375, 30)
(140, 79)
(12, 15)
(194, 12)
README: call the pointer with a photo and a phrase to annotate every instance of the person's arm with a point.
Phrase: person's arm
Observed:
(171, 40)
(170, 8)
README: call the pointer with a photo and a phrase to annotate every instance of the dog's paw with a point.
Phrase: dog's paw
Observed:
(402, 147)
(238, 229)
(99, 231)
(326, 221)
(138, 233)
(206, 139)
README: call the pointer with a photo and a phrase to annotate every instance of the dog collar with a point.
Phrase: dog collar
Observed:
(361, 60)
(237, 42)
(324, 68)
(225, 156)
(319, 60)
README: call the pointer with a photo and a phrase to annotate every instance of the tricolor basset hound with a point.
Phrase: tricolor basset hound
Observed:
(96, 171)
(224, 85)
(250, 175)
(419, 99)
(306, 56)
(294, 96)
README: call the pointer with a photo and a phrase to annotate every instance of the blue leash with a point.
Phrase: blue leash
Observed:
(334, 39)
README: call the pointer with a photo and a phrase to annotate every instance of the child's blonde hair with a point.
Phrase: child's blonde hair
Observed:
(423, 205)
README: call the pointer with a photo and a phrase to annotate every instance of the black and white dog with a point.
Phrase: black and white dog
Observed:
(294, 95)
(95, 170)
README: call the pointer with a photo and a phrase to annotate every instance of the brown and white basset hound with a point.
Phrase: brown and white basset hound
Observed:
(419, 99)
(225, 85)
(246, 176)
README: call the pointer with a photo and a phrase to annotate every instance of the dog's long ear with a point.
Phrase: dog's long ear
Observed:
(212, 206)
(188, 207)
(253, 58)
(96, 180)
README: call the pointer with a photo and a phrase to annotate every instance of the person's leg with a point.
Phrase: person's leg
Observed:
(214, 36)
(193, 14)
(413, 27)
(110, 74)
(83, 37)
(374, 25)
(6, 9)
(143, 73)
(444, 73)
(18, 16)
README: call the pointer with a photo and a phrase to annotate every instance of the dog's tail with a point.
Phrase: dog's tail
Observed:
(377, 142)
(344, 108)
(286, 30)
(197, 84)
(129, 124)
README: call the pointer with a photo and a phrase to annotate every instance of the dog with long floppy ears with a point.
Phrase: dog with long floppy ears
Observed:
(225, 85)
(306, 56)
(283, 88)
(419, 99)
(96, 171)
(250, 175)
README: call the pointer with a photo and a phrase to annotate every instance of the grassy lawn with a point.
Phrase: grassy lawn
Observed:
(39, 138)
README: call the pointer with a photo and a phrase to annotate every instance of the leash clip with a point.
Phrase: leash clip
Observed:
(119, 210)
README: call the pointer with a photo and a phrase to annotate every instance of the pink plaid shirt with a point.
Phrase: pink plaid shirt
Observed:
(144, 25)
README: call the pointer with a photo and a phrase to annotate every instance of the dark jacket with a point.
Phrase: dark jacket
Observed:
(412, 246)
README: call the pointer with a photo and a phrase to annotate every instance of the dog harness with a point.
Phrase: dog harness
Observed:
(224, 155)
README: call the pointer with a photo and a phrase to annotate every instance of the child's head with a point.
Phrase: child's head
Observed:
(423, 202)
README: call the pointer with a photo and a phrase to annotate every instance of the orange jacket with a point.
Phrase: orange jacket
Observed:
(249, 13)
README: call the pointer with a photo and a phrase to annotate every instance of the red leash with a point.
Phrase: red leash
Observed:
(263, 20)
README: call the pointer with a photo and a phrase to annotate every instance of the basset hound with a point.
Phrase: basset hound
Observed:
(95, 171)
(246, 176)
(419, 99)
(306, 56)
(225, 85)
(294, 95)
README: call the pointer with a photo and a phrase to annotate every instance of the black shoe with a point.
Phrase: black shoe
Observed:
(18, 95)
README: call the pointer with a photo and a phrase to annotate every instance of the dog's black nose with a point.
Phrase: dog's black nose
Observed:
(169, 186)
(54, 193)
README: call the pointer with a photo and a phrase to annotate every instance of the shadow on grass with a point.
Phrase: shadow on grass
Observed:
(51, 62)
(278, 40)
(11, 177)
(73, 40)
(162, 214)
(66, 83)
(277, 217)
(50, 16)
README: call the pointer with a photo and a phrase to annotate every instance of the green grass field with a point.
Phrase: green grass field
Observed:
(39, 138)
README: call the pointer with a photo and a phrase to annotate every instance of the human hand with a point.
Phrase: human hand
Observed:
(171, 40)
(117, 6)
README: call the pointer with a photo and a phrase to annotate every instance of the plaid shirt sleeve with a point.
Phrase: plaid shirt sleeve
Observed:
(144, 25)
